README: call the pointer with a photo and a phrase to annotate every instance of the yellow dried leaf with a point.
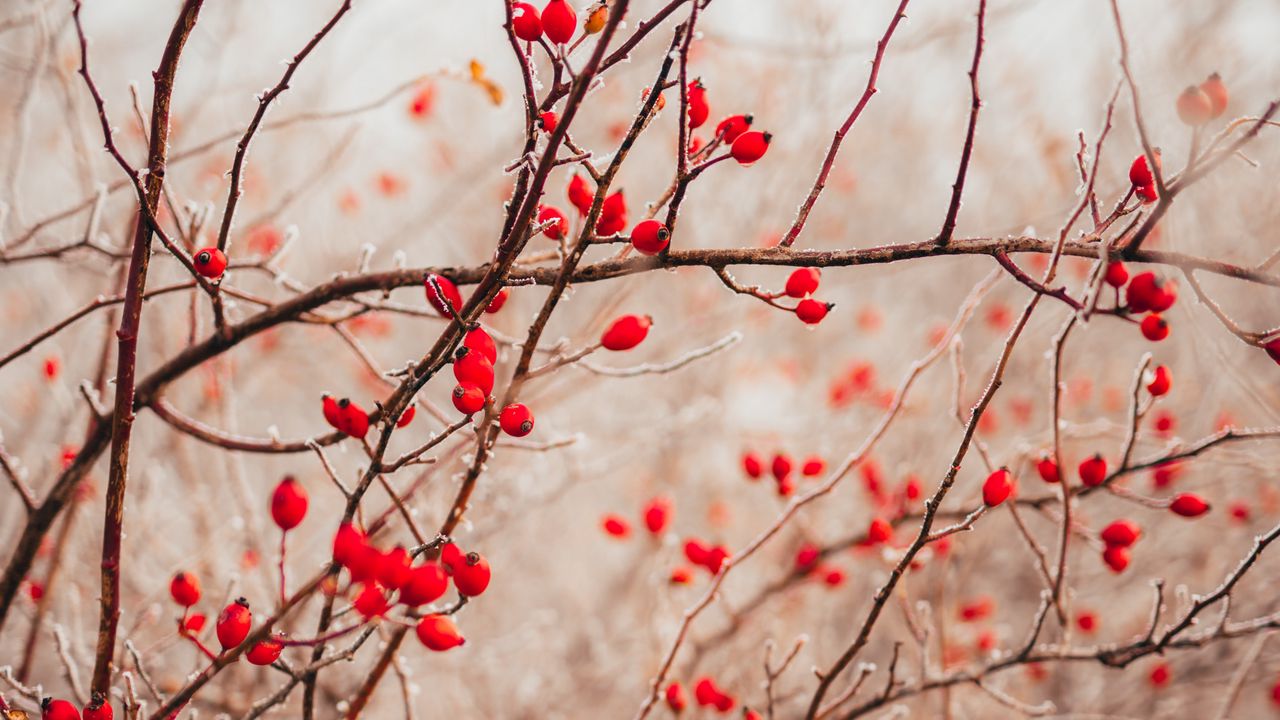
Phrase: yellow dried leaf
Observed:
(477, 70)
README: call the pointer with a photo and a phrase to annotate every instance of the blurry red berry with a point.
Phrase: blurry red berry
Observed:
(1121, 533)
(1194, 106)
(752, 465)
(879, 531)
(1216, 90)
(395, 568)
(1087, 622)
(289, 503)
(616, 526)
(1048, 470)
(1160, 675)
(185, 589)
(233, 624)
(1161, 381)
(813, 466)
(1116, 558)
(1117, 274)
(426, 583)
(348, 543)
(1093, 471)
(559, 223)
(1189, 505)
(697, 102)
(807, 556)
(580, 196)
(371, 602)
(98, 708)
(1154, 328)
(657, 514)
(998, 487)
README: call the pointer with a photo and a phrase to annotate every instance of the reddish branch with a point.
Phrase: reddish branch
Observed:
(131, 312)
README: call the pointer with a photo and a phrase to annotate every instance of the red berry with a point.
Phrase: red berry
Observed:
(471, 576)
(98, 708)
(781, 466)
(289, 503)
(879, 531)
(332, 414)
(650, 237)
(473, 368)
(680, 576)
(803, 281)
(210, 262)
(1161, 381)
(750, 147)
(613, 215)
(1154, 328)
(348, 544)
(977, 609)
(525, 22)
(1189, 505)
(438, 632)
(675, 697)
(911, 490)
(1093, 471)
(451, 557)
(752, 465)
(1116, 558)
(697, 101)
(998, 487)
(1087, 622)
(51, 709)
(352, 419)
(185, 589)
(626, 332)
(1140, 173)
(1160, 675)
(559, 223)
(426, 583)
(192, 625)
(1194, 106)
(834, 577)
(450, 292)
(1117, 274)
(548, 121)
(266, 651)
(468, 399)
(811, 311)
(616, 525)
(559, 21)
(732, 127)
(1121, 533)
(1148, 193)
(394, 568)
(233, 624)
(813, 466)
(1273, 350)
(371, 601)
(657, 515)
(406, 417)
(579, 195)
(477, 340)
(498, 301)
(1217, 92)
(516, 420)
(1048, 470)
(807, 556)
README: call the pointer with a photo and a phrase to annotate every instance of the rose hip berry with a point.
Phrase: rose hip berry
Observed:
(51, 709)
(1161, 381)
(477, 340)
(650, 237)
(559, 226)
(289, 503)
(525, 22)
(750, 147)
(438, 633)
(1216, 90)
(559, 21)
(998, 487)
(450, 293)
(516, 420)
(472, 575)
(233, 624)
(210, 262)
(811, 312)
(98, 708)
(266, 651)
(1093, 471)
(803, 281)
(185, 589)
(1121, 533)
(473, 368)
(1154, 328)
(468, 399)
(1048, 470)
(1189, 505)
(732, 127)
(426, 583)
(626, 332)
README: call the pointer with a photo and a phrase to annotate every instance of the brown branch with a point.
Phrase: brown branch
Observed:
(798, 225)
(957, 188)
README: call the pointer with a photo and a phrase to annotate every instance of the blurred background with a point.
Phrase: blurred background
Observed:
(388, 140)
